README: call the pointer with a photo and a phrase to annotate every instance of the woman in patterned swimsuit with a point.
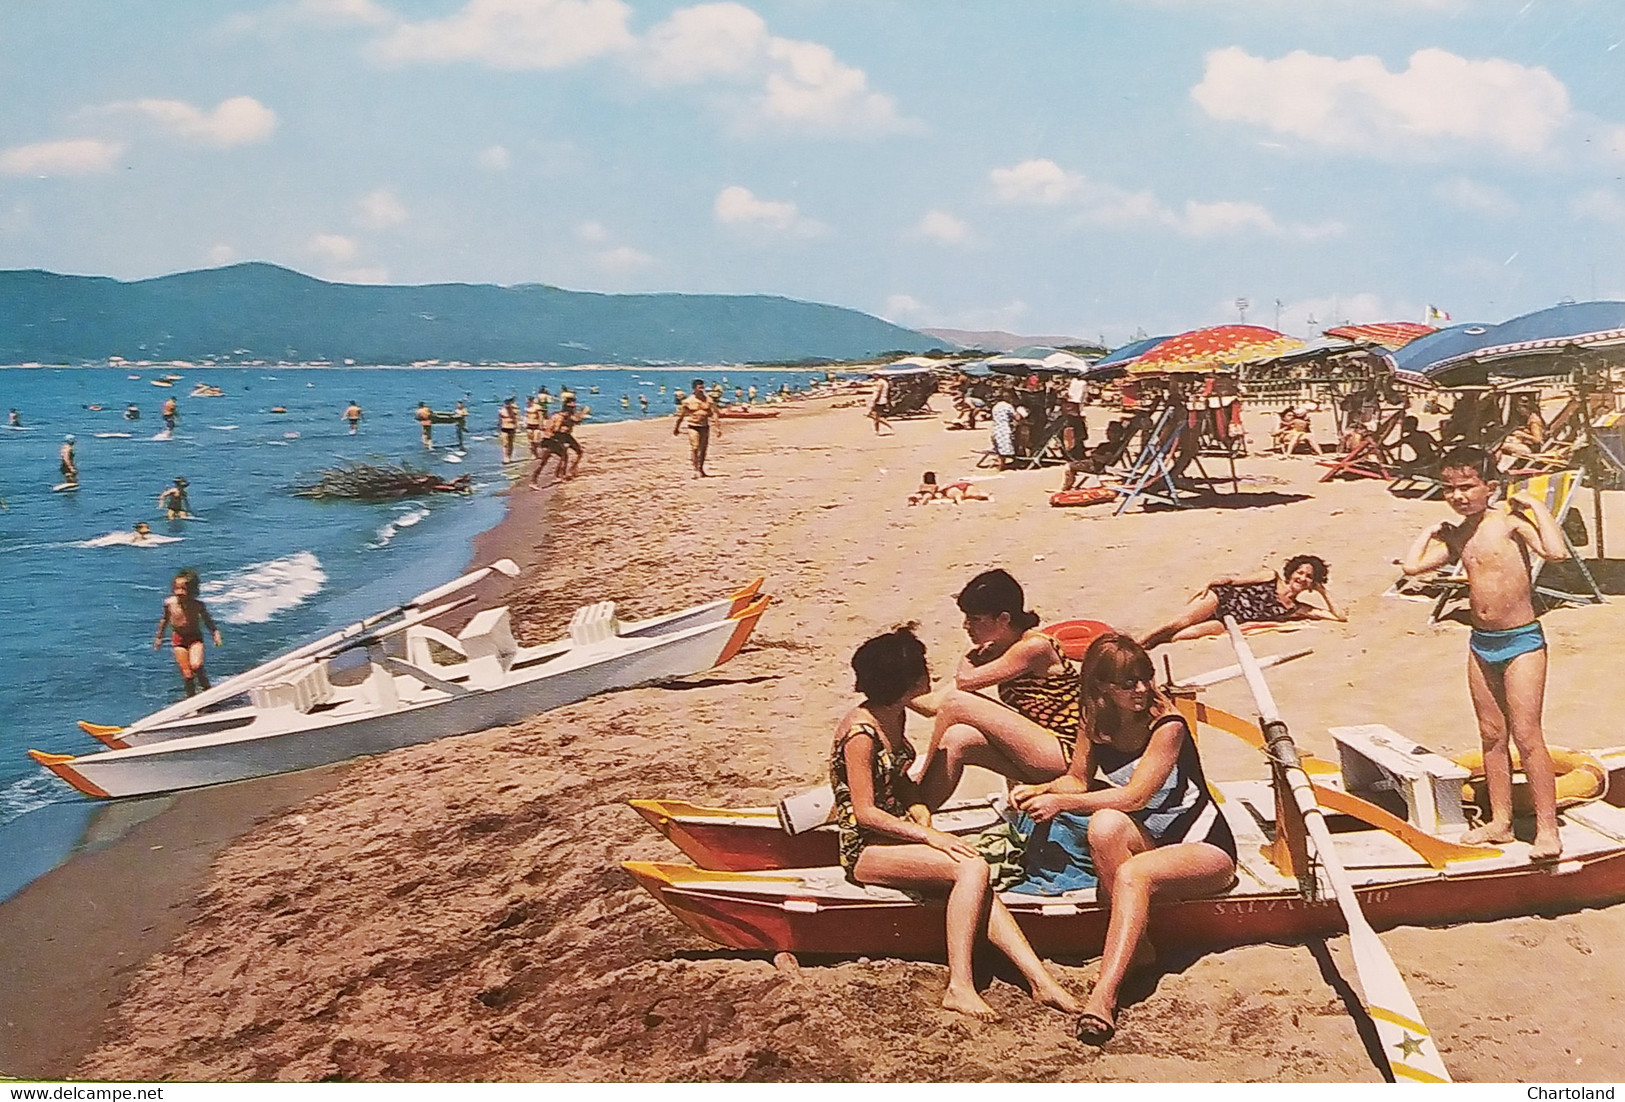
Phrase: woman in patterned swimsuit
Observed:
(1029, 737)
(1155, 832)
(886, 833)
(1261, 598)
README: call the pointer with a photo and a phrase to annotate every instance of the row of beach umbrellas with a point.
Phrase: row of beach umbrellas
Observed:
(1537, 344)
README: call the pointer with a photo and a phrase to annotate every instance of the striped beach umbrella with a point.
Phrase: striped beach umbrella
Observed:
(1213, 349)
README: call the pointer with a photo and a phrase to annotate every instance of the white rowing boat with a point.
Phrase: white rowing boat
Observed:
(420, 684)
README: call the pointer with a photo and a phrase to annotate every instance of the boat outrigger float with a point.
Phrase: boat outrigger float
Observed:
(420, 684)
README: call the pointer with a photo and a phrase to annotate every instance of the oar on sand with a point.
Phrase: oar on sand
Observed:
(1407, 1045)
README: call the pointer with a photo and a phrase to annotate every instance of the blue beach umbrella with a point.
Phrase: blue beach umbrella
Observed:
(1523, 347)
(1116, 363)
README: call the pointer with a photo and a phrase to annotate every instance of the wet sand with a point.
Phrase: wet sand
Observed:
(457, 910)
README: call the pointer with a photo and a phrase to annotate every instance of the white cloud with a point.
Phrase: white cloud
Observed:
(339, 12)
(623, 258)
(938, 225)
(1601, 205)
(1472, 196)
(71, 157)
(592, 232)
(221, 254)
(334, 247)
(797, 83)
(379, 210)
(513, 34)
(903, 309)
(1036, 181)
(736, 206)
(1357, 105)
(1358, 308)
(493, 158)
(1090, 202)
(236, 121)
(705, 41)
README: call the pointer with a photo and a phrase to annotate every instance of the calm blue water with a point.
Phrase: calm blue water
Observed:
(78, 602)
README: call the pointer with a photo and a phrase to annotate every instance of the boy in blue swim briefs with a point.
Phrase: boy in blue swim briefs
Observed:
(1506, 661)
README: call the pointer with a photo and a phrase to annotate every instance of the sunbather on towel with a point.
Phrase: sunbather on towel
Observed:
(1256, 599)
(953, 492)
(1029, 732)
(886, 835)
(1154, 832)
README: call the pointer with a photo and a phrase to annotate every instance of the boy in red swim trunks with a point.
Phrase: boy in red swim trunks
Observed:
(185, 615)
(1506, 661)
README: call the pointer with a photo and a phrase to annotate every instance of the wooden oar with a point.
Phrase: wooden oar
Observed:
(1406, 1043)
(237, 683)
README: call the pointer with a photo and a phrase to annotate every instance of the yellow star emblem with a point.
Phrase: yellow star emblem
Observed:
(1408, 1045)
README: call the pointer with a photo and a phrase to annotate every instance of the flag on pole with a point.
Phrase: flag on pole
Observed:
(1436, 314)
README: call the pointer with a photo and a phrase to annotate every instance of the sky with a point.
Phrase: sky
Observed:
(1101, 169)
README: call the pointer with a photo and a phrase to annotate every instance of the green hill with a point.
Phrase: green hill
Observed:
(262, 312)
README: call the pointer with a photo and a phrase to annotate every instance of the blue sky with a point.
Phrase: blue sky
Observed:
(1089, 168)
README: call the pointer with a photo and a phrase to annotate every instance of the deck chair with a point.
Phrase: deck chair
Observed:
(1369, 458)
(1557, 491)
(1151, 476)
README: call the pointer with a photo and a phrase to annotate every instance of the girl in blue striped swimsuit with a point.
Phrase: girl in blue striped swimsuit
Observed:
(1154, 832)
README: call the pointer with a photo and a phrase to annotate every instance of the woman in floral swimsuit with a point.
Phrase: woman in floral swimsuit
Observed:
(1262, 598)
(886, 834)
(1030, 735)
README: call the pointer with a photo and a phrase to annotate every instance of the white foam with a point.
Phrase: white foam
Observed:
(127, 539)
(112, 436)
(260, 590)
(403, 520)
(224, 428)
(28, 794)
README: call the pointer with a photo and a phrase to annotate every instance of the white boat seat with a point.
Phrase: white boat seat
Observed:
(594, 624)
(300, 690)
(1375, 759)
(419, 653)
(488, 643)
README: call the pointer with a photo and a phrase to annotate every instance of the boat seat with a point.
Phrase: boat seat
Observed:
(594, 624)
(419, 653)
(488, 643)
(1376, 759)
(301, 690)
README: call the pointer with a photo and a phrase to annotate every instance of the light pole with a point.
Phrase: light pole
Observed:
(1279, 306)
(1241, 308)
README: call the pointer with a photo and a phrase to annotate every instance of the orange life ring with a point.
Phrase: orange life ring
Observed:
(1580, 778)
(1091, 496)
(1076, 635)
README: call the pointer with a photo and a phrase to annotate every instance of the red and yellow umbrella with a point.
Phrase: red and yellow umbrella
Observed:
(1213, 349)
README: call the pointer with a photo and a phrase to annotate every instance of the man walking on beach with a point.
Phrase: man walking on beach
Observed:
(697, 413)
(508, 427)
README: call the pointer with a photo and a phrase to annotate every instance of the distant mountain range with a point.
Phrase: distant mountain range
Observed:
(263, 313)
(997, 340)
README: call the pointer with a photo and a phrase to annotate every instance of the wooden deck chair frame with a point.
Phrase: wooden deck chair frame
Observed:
(1370, 458)
(1558, 490)
(1153, 463)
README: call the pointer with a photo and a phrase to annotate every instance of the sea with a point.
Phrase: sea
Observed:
(80, 599)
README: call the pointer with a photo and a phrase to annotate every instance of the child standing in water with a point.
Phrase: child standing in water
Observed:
(1506, 660)
(186, 617)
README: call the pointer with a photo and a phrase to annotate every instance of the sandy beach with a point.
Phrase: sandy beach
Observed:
(457, 910)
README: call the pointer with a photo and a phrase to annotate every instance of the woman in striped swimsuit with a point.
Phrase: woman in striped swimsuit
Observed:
(1030, 735)
(1155, 832)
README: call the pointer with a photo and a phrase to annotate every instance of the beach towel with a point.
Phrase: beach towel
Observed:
(1057, 859)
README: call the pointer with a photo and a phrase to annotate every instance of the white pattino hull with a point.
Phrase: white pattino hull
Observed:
(285, 740)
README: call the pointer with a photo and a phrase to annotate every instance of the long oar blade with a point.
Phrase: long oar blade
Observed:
(1407, 1045)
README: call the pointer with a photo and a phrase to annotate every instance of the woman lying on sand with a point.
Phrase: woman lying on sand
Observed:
(885, 828)
(955, 492)
(1029, 736)
(1258, 599)
(1155, 832)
